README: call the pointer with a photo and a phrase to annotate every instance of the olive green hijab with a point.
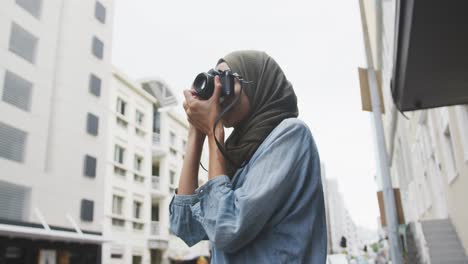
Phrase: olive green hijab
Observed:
(272, 99)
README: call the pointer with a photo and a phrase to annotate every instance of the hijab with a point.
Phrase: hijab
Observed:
(271, 97)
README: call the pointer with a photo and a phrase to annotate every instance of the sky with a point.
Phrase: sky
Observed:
(318, 44)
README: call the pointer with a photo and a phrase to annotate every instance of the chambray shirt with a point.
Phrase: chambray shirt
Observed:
(271, 212)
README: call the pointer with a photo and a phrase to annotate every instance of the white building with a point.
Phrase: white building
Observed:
(170, 131)
(54, 61)
(341, 224)
(127, 207)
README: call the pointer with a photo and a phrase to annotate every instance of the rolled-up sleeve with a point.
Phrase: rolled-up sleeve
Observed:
(182, 222)
(233, 218)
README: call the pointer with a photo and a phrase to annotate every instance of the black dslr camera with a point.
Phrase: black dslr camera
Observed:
(204, 83)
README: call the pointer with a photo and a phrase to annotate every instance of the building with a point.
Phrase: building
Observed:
(127, 202)
(169, 136)
(340, 222)
(53, 129)
(428, 152)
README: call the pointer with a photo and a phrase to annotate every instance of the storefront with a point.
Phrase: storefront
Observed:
(24, 243)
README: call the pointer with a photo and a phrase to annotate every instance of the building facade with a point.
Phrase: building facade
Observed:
(428, 149)
(53, 112)
(340, 222)
(169, 136)
(127, 202)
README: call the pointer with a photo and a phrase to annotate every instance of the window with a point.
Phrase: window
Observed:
(31, 6)
(118, 222)
(98, 48)
(155, 212)
(137, 209)
(138, 178)
(116, 255)
(155, 170)
(17, 91)
(184, 145)
(14, 200)
(136, 259)
(117, 205)
(121, 104)
(172, 138)
(172, 177)
(100, 12)
(92, 124)
(138, 163)
(137, 226)
(23, 43)
(173, 151)
(87, 210)
(90, 166)
(12, 143)
(119, 154)
(95, 85)
(139, 116)
(156, 120)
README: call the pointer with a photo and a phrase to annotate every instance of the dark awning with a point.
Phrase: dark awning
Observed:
(431, 54)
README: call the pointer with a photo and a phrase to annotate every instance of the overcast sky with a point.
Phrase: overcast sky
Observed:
(317, 43)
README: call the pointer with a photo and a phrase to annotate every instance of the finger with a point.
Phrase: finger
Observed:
(184, 105)
(217, 89)
(187, 95)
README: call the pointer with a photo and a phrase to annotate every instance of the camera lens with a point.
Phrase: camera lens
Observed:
(204, 85)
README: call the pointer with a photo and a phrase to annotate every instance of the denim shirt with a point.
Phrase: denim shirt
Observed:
(271, 212)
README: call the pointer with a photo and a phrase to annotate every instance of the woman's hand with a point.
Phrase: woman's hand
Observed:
(202, 113)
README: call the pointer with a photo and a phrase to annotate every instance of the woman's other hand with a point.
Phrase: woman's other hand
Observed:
(202, 113)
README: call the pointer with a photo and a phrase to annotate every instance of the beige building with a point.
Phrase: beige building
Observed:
(428, 152)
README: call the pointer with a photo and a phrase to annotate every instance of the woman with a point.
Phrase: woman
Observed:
(263, 202)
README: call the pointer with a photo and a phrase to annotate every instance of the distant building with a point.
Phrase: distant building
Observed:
(127, 209)
(169, 140)
(340, 222)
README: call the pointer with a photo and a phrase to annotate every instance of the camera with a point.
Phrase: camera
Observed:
(204, 83)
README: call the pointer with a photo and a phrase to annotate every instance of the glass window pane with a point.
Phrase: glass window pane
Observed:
(12, 142)
(92, 124)
(100, 12)
(17, 91)
(98, 48)
(31, 6)
(23, 43)
(95, 85)
(90, 166)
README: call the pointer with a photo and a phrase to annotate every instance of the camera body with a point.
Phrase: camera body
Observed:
(204, 83)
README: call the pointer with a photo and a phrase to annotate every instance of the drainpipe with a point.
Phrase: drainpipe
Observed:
(383, 164)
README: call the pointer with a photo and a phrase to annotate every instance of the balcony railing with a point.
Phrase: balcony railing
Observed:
(156, 138)
(155, 181)
(155, 228)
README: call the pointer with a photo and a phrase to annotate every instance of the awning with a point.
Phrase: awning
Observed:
(431, 54)
(55, 235)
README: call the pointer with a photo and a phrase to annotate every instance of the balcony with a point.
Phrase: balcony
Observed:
(155, 228)
(157, 239)
(156, 187)
(158, 150)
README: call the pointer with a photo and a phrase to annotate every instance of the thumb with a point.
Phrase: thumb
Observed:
(217, 89)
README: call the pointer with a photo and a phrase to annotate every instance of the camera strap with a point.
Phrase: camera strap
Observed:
(220, 116)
